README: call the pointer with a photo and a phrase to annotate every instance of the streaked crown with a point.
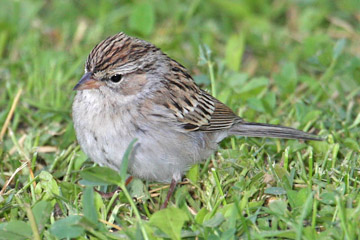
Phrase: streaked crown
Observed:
(118, 50)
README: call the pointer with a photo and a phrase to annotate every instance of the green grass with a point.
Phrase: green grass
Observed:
(294, 63)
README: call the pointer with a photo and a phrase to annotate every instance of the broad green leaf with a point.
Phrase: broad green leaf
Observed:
(79, 160)
(136, 188)
(257, 204)
(339, 47)
(278, 207)
(307, 207)
(230, 233)
(313, 43)
(42, 211)
(181, 194)
(356, 121)
(297, 198)
(287, 234)
(101, 176)
(16, 230)
(142, 18)
(70, 190)
(237, 9)
(275, 191)
(352, 144)
(252, 88)
(238, 80)
(48, 185)
(234, 51)
(327, 198)
(256, 104)
(199, 218)
(3, 39)
(280, 171)
(68, 227)
(254, 83)
(320, 146)
(230, 213)
(300, 111)
(170, 221)
(202, 79)
(287, 79)
(310, 233)
(264, 104)
(215, 221)
(89, 208)
(269, 102)
(311, 18)
(311, 116)
(193, 173)
(326, 55)
(125, 160)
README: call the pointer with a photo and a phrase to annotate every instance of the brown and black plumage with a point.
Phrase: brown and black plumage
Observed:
(131, 89)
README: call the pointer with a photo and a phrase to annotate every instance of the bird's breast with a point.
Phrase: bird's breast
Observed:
(103, 128)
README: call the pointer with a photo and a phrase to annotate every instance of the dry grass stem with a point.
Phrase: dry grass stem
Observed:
(11, 178)
(10, 114)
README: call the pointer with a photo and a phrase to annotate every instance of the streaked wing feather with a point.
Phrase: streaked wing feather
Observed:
(194, 108)
(222, 117)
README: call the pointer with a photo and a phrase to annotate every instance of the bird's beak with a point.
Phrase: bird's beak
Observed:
(88, 82)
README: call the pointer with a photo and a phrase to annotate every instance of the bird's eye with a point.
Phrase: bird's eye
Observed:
(116, 78)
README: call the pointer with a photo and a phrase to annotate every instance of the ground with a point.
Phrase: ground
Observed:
(294, 63)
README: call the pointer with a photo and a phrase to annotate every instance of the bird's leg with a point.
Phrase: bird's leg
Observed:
(169, 194)
(128, 180)
(107, 195)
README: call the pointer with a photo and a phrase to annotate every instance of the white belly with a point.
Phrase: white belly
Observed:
(160, 154)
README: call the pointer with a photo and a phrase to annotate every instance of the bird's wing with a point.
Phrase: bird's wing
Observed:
(193, 108)
(221, 118)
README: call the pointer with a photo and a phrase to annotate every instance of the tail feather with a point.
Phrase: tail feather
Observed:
(271, 131)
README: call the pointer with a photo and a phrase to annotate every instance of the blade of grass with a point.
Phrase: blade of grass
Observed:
(122, 184)
(218, 185)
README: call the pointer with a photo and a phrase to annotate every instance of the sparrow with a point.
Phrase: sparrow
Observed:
(131, 89)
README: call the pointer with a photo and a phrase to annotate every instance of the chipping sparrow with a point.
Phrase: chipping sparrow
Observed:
(131, 89)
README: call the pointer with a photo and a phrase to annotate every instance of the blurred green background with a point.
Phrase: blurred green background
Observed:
(294, 62)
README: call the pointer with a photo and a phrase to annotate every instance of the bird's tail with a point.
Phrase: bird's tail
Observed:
(271, 131)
